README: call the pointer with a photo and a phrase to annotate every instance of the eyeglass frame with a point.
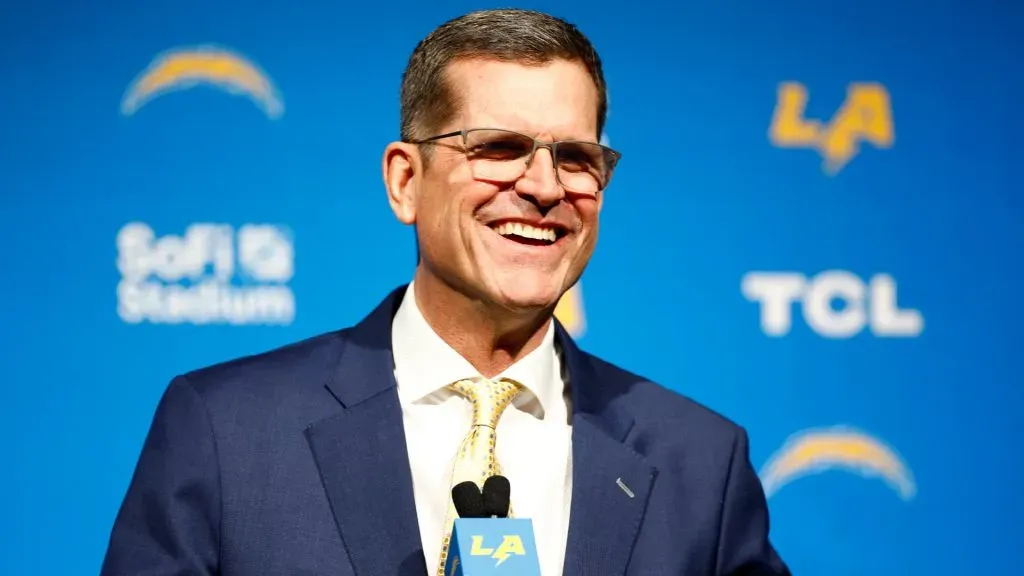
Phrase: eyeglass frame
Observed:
(552, 147)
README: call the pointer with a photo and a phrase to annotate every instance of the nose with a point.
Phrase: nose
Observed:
(539, 180)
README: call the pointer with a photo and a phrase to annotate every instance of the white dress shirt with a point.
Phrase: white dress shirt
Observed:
(533, 435)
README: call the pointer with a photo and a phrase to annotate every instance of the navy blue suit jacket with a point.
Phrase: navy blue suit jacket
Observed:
(294, 462)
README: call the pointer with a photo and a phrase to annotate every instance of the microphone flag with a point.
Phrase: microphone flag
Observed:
(492, 547)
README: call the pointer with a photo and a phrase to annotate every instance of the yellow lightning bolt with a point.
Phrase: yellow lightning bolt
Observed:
(501, 555)
(510, 545)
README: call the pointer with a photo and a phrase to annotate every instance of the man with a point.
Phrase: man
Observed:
(337, 455)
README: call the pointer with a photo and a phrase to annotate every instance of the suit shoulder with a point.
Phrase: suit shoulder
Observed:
(661, 406)
(310, 360)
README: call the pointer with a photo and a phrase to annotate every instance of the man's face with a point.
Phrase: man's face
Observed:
(471, 231)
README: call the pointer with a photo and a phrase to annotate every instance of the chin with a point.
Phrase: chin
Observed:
(527, 291)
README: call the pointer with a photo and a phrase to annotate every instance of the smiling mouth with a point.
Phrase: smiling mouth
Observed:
(527, 234)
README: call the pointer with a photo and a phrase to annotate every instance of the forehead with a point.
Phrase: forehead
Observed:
(557, 99)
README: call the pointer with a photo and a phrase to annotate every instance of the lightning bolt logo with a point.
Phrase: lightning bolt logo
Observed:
(501, 555)
(510, 545)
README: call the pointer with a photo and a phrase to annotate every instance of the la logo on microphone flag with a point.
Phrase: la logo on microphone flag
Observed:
(492, 546)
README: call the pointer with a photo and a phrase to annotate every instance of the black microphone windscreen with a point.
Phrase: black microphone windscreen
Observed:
(497, 496)
(468, 500)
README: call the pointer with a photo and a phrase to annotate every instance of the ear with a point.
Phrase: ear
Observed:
(401, 166)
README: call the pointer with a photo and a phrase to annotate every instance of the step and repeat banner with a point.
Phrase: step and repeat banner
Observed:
(815, 230)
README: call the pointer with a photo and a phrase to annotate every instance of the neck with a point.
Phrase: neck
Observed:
(489, 339)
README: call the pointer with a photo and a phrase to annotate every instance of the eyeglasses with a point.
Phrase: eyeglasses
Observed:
(503, 156)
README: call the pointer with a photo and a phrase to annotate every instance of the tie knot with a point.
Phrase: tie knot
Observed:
(488, 397)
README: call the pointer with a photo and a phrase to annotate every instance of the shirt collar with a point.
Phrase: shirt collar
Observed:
(425, 364)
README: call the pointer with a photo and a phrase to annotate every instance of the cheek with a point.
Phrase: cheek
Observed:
(446, 212)
(441, 223)
(588, 212)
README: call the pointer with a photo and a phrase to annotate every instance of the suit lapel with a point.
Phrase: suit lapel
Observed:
(610, 481)
(362, 457)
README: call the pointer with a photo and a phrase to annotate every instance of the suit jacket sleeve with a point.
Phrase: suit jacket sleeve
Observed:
(743, 547)
(169, 521)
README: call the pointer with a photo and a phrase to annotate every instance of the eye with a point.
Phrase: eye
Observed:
(507, 149)
(499, 147)
(578, 158)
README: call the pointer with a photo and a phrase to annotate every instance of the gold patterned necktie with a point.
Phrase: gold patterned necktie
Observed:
(476, 460)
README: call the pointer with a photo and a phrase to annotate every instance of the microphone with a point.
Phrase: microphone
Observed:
(497, 496)
(485, 545)
(468, 500)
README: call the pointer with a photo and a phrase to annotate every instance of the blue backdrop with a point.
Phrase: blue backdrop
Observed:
(815, 230)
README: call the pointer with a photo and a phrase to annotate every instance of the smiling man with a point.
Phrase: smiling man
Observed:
(338, 455)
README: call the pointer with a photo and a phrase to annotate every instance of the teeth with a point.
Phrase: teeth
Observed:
(526, 231)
